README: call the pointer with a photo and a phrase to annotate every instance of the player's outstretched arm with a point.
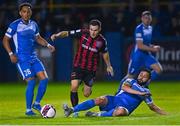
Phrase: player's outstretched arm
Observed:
(6, 45)
(157, 109)
(127, 88)
(143, 47)
(61, 34)
(43, 42)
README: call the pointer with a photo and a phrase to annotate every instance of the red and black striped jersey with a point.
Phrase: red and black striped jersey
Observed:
(87, 56)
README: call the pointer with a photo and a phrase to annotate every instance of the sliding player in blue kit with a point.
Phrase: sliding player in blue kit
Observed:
(123, 103)
(25, 34)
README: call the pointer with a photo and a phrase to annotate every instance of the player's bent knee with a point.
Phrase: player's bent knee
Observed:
(157, 67)
(120, 112)
(42, 75)
(101, 101)
(74, 87)
(87, 94)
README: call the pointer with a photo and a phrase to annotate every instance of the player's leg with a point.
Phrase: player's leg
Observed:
(85, 105)
(100, 101)
(74, 92)
(157, 70)
(105, 104)
(43, 81)
(88, 79)
(28, 75)
(156, 67)
(30, 95)
(134, 66)
(112, 109)
(76, 76)
(87, 90)
(79, 107)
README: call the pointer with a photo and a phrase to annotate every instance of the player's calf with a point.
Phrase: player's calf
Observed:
(87, 91)
(101, 101)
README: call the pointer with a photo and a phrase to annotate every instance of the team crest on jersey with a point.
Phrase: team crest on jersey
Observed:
(9, 30)
(98, 44)
(147, 31)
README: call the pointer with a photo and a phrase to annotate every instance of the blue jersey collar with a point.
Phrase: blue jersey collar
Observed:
(25, 22)
(145, 26)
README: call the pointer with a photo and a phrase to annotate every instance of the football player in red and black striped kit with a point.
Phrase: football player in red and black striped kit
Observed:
(91, 44)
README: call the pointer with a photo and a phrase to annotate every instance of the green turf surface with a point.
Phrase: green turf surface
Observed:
(12, 105)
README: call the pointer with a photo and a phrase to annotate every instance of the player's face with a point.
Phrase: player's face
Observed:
(143, 77)
(146, 19)
(25, 13)
(94, 30)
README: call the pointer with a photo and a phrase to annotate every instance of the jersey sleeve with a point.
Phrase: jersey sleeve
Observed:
(11, 30)
(104, 48)
(148, 100)
(36, 29)
(129, 81)
(138, 34)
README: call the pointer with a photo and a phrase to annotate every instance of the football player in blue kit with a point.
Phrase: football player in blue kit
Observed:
(25, 34)
(123, 103)
(142, 54)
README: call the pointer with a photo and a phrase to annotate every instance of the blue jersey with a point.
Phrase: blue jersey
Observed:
(144, 34)
(126, 100)
(140, 58)
(24, 38)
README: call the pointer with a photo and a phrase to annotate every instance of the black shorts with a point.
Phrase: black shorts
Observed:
(84, 75)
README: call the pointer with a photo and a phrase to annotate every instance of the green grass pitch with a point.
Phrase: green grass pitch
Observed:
(12, 105)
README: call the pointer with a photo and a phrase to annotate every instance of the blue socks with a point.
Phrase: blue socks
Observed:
(29, 94)
(107, 114)
(154, 75)
(84, 106)
(41, 90)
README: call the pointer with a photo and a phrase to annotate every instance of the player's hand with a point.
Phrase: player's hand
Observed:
(163, 113)
(13, 58)
(145, 94)
(51, 48)
(110, 70)
(156, 48)
(53, 37)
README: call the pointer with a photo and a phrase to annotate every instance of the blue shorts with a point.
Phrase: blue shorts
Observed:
(139, 61)
(30, 68)
(113, 102)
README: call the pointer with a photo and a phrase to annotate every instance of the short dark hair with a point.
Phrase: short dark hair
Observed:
(24, 4)
(146, 13)
(95, 22)
(146, 70)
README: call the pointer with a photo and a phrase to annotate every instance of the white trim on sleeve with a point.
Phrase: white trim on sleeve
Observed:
(137, 39)
(8, 35)
(37, 34)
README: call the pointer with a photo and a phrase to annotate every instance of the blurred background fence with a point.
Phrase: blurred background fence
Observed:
(118, 17)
